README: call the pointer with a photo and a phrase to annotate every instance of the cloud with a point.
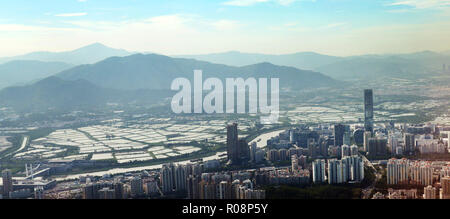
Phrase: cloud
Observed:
(332, 25)
(71, 14)
(225, 25)
(421, 4)
(243, 3)
(193, 34)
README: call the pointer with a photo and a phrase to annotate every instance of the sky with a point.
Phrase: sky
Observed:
(181, 27)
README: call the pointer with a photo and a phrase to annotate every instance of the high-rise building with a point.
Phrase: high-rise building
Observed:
(354, 168)
(283, 154)
(429, 192)
(421, 173)
(294, 163)
(225, 190)
(324, 143)
(244, 151)
(313, 147)
(273, 155)
(354, 150)
(346, 138)
(7, 183)
(193, 187)
(151, 187)
(397, 171)
(368, 110)
(377, 147)
(233, 143)
(208, 190)
(339, 131)
(358, 136)
(237, 149)
(409, 144)
(167, 178)
(119, 190)
(253, 150)
(445, 184)
(90, 191)
(318, 167)
(107, 193)
(345, 151)
(180, 178)
(136, 187)
(367, 136)
(292, 136)
(302, 161)
(335, 171)
(393, 143)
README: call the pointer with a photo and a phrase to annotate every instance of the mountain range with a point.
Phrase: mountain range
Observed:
(55, 93)
(301, 60)
(154, 71)
(363, 67)
(86, 55)
(22, 72)
(96, 74)
(125, 79)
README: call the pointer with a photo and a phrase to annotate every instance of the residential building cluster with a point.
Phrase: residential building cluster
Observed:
(334, 171)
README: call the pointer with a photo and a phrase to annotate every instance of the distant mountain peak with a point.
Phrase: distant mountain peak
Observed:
(94, 45)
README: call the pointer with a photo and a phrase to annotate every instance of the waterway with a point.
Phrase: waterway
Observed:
(261, 142)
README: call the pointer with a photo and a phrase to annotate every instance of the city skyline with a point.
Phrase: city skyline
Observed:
(341, 28)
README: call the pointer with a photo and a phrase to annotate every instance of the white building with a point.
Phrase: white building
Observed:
(318, 167)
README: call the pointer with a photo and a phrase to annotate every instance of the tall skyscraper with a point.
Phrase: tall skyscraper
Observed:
(7, 183)
(409, 143)
(253, 150)
(339, 131)
(233, 143)
(244, 151)
(368, 110)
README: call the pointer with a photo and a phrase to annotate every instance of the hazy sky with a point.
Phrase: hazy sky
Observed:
(336, 27)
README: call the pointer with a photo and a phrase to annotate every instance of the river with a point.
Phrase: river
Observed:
(132, 169)
(261, 142)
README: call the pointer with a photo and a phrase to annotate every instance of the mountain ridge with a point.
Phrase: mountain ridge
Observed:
(153, 71)
(89, 54)
(24, 71)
